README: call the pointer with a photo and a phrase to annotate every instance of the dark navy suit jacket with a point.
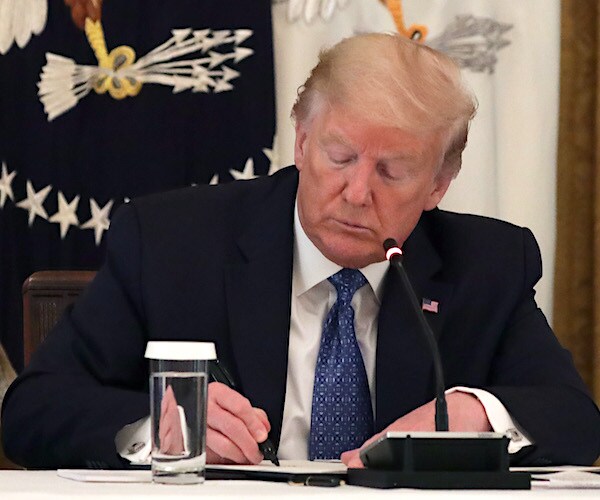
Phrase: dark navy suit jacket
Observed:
(215, 264)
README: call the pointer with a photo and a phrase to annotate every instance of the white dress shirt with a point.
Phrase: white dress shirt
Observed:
(312, 297)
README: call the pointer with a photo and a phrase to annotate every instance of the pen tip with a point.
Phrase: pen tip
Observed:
(275, 460)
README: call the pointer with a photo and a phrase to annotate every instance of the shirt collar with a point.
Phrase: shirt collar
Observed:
(311, 267)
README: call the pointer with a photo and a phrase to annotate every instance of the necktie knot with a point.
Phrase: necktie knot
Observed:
(346, 282)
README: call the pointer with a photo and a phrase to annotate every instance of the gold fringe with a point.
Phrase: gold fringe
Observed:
(417, 32)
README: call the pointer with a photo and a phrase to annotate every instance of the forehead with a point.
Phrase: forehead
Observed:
(338, 127)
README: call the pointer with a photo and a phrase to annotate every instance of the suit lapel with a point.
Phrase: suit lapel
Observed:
(404, 368)
(258, 287)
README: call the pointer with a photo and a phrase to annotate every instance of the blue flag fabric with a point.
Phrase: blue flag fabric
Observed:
(62, 179)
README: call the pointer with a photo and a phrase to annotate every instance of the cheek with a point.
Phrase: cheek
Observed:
(400, 212)
(312, 197)
(325, 186)
(321, 202)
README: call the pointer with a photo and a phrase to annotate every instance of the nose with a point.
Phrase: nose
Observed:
(357, 189)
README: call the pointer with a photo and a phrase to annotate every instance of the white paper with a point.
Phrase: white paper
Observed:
(576, 479)
(145, 476)
(106, 476)
(557, 468)
(289, 467)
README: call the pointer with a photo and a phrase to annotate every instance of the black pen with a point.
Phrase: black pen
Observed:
(220, 374)
(322, 480)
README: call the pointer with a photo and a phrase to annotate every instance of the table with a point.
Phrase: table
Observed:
(46, 485)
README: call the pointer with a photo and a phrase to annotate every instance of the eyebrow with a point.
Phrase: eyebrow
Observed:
(335, 138)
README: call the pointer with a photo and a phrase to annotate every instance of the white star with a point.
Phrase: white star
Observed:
(5, 185)
(273, 155)
(99, 221)
(309, 9)
(214, 180)
(66, 214)
(246, 174)
(34, 202)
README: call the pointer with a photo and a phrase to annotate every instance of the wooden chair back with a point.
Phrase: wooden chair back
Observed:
(46, 294)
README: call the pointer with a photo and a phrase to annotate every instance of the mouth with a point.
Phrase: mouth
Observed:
(351, 226)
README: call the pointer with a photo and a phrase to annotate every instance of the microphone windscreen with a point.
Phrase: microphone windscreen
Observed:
(390, 243)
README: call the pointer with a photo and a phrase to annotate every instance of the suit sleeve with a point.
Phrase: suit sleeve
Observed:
(89, 378)
(536, 380)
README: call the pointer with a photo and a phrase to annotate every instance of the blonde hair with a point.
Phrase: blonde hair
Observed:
(391, 80)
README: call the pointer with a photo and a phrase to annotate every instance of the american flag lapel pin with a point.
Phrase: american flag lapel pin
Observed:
(430, 305)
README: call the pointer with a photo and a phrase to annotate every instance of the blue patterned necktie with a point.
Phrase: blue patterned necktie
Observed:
(342, 416)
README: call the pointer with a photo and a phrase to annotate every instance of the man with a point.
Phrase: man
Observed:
(269, 271)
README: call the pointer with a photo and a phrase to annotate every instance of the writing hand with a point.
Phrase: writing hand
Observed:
(234, 427)
(465, 413)
(169, 430)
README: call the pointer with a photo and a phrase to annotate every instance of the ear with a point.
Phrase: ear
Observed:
(440, 186)
(300, 145)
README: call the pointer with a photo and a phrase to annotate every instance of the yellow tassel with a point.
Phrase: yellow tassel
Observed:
(95, 36)
(417, 32)
(119, 58)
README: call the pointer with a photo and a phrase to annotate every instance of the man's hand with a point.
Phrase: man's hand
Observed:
(234, 427)
(169, 428)
(465, 413)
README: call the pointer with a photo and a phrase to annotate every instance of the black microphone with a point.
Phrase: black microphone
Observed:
(435, 460)
(394, 255)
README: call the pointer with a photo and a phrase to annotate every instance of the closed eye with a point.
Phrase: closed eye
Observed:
(393, 172)
(340, 158)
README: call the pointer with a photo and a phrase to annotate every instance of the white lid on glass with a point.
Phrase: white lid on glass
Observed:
(180, 351)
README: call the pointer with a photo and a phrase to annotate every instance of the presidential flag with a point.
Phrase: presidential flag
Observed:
(509, 54)
(144, 96)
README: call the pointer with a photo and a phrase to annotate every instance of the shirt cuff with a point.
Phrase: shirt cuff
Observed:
(500, 420)
(133, 442)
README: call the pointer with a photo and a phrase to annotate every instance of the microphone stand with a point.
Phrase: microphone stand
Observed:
(394, 256)
(441, 459)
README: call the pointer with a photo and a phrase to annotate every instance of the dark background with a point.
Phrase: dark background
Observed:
(111, 150)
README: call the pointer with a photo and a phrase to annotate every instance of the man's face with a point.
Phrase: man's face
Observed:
(362, 183)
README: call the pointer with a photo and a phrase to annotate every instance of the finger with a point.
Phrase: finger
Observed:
(356, 463)
(171, 437)
(167, 444)
(174, 434)
(236, 431)
(168, 399)
(170, 433)
(236, 404)
(223, 449)
(347, 456)
(167, 406)
(163, 421)
(214, 458)
(263, 418)
(352, 459)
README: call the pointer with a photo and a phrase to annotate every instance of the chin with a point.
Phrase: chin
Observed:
(354, 258)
